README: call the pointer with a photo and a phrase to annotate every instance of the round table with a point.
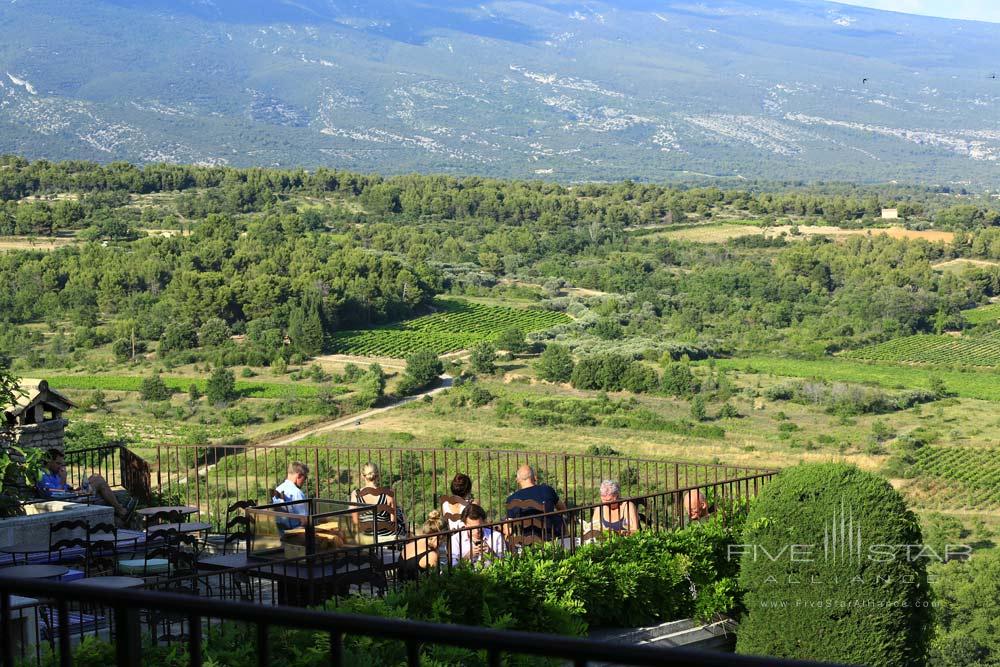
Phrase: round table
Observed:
(190, 527)
(33, 571)
(110, 582)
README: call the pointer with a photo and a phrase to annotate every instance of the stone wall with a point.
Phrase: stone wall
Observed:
(46, 435)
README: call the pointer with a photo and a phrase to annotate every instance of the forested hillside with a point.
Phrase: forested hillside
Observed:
(179, 256)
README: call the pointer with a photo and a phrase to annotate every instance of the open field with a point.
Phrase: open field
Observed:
(984, 384)
(983, 314)
(182, 384)
(458, 325)
(34, 243)
(959, 265)
(930, 349)
(720, 233)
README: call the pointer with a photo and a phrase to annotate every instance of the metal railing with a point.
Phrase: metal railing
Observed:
(211, 478)
(120, 466)
(127, 608)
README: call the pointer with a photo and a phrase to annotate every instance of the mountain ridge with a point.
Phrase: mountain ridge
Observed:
(783, 89)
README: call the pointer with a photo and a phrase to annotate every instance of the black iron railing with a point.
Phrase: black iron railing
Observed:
(211, 478)
(127, 608)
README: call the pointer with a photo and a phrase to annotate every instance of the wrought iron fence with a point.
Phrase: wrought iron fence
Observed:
(121, 615)
(211, 478)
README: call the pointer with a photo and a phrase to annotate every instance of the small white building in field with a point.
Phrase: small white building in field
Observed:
(890, 214)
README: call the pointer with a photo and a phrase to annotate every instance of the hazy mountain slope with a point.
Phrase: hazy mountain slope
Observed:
(578, 90)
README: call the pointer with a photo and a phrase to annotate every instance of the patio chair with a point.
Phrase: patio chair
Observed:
(72, 549)
(526, 527)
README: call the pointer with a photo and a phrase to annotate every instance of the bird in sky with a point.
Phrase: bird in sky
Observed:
(864, 81)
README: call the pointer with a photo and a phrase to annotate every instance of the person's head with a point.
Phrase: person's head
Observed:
(473, 516)
(432, 525)
(298, 472)
(370, 473)
(525, 476)
(461, 485)
(610, 491)
(54, 460)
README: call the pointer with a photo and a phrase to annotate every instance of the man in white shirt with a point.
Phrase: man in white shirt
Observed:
(475, 544)
(291, 490)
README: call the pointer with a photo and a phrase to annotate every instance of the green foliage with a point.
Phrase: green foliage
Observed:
(154, 389)
(422, 369)
(512, 340)
(698, 412)
(179, 335)
(842, 605)
(483, 358)
(608, 329)
(555, 363)
(221, 387)
(640, 378)
(967, 599)
(605, 372)
(678, 380)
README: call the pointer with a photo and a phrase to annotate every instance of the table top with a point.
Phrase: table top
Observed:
(110, 582)
(33, 571)
(123, 536)
(180, 509)
(190, 527)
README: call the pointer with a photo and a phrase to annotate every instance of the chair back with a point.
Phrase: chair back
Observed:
(452, 500)
(165, 517)
(102, 544)
(526, 527)
(238, 529)
(71, 538)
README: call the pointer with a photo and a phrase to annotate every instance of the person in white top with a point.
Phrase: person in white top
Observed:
(461, 490)
(475, 544)
(291, 489)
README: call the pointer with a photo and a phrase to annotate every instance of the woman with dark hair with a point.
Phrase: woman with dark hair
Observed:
(476, 543)
(461, 497)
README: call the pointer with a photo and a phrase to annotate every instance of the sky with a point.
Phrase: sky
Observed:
(977, 10)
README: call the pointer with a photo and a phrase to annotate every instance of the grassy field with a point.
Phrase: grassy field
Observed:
(457, 325)
(983, 314)
(725, 231)
(979, 384)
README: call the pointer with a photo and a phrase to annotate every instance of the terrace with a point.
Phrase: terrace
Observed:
(208, 515)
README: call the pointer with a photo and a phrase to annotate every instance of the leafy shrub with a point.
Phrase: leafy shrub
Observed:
(422, 369)
(555, 364)
(154, 389)
(678, 380)
(483, 358)
(605, 372)
(852, 607)
(221, 387)
(640, 378)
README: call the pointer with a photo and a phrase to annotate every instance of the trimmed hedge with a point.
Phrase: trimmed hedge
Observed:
(846, 603)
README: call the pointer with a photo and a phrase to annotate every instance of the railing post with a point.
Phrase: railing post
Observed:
(127, 638)
(336, 649)
(194, 640)
(566, 481)
(6, 630)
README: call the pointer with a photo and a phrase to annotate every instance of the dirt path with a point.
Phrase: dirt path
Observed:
(446, 383)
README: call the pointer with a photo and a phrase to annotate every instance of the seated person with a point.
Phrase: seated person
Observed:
(614, 515)
(53, 483)
(389, 520)
(291, 490)
(461, 488)
(475, 544)
(695, 505)
(543, 494)
(422, 554)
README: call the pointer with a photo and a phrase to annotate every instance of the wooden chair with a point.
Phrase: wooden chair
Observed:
(68, 549)
(102, 545)
(525, 528)
(370, 526)
(452, 500)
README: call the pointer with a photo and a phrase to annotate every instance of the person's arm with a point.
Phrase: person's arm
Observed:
(62, 479)
(633, 517)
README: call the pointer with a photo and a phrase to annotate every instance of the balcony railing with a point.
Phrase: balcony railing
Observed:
(211, 478)
(127, 609)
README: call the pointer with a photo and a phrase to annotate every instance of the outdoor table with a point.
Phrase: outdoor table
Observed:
(111, 582)
(190, 527)
(306, 585)
(33, 571)
(24, 621)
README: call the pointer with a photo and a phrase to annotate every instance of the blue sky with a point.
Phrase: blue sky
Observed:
(978, 10)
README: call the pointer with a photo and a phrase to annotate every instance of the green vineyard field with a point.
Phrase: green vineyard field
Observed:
(983, 315)
(456, 326)
(929, 349)
(969, 477)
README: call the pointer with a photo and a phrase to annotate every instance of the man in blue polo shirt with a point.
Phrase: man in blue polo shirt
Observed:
(543, 494)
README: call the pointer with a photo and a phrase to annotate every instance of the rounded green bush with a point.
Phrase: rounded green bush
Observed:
(834, 570)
